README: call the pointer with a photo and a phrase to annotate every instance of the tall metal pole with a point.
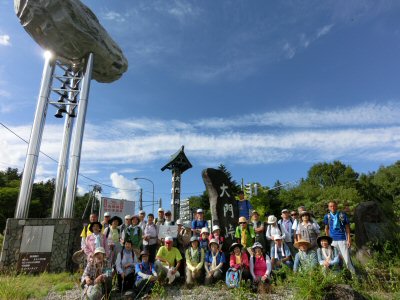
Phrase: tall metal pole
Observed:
(160, 203)
(35, 140)
(75, 156)
(63, 159)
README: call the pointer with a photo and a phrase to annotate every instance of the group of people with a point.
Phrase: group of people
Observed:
(134, 252)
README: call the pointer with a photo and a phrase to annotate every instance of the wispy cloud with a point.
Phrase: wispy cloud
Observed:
(5, 40)
(113, 16)
(364, 132)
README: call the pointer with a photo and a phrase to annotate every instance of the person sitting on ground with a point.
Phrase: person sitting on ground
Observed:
(280, 254)
(146, 275)
(203, 240)
(244, 233)
(306, 258)
(194, 261)
(260, 268)
(112, 234)
(214, 262)
(199, 223)
(95, 240)
(125, 266)
(97, 277)
(216, 234)
(150, 235)
(273, 229)
(165, 260)
(328, 256)
(134, 234)
(307, 230)
(239, 261)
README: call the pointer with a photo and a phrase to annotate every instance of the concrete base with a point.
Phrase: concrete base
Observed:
(65, 241)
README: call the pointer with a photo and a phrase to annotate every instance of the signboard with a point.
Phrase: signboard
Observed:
(33, 262)
(35, 249)
(117, 207)
(167, 230)
(223, 205)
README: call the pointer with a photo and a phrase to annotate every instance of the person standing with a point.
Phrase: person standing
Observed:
(199, 223)
(258, 227)
(244, 206)
(150, 235)
(106, 221)
(244, 233)
(161, 217)
(286, 224)
(307, 230)
(86, 231)
(337, 226)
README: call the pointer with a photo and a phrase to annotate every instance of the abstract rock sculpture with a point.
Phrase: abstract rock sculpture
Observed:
(70, 30)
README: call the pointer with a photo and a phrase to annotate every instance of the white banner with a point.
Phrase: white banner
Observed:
(167, 230)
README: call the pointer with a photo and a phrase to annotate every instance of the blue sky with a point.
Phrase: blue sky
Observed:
(267, 88)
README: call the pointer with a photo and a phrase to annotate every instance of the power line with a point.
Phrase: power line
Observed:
(48, 156)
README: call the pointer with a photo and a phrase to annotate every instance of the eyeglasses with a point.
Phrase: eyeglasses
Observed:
(242, 223)
(293, 214)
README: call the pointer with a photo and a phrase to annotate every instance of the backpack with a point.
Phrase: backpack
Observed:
(232, 278)
(108, 232)
(122, 254)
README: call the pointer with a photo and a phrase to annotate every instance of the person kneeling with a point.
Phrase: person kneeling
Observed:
(146, 275)
(96, 278)
(214, 262)
(166, 257)
(125, 265)
(260, 268)
(239, 263)
(194, 260)
(328, 256)
(306, 259)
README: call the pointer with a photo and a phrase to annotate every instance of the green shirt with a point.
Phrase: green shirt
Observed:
(250, 235)
(170, 256)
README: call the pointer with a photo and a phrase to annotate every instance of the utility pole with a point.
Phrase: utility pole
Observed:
(140, 199)
(160, 203)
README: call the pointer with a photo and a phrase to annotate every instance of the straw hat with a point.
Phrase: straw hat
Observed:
(302, 242)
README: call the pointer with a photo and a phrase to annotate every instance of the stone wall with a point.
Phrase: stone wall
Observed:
(65, 242)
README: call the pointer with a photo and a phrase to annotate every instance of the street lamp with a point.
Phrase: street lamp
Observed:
(136, 178)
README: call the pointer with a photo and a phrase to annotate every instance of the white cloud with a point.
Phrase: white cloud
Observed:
(80, 191)
(324, 30)
(5, 40)
(113, 16)
(126, 189)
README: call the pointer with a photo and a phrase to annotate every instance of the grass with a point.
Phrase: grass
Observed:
(21, 287)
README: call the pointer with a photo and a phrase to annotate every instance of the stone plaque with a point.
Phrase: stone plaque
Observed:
(223, 206)
(33, 262)
(37, 239)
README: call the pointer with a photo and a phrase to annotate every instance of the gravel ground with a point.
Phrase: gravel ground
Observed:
(219, 291)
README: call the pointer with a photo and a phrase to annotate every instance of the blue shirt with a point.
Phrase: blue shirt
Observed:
(244, 208)
(145, 268)
(197, 224)
(337, 234)
(220, 257)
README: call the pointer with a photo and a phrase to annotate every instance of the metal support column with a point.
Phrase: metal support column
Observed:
(63, 159)
(35, 140)
(75, 156)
